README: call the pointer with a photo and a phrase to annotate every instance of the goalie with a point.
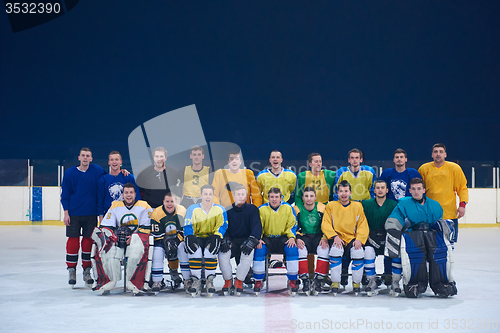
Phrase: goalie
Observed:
(417, 232)
(124, 232)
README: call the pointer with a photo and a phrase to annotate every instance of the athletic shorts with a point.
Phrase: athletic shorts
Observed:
(81, 226)
(311, 241)
(275, 245)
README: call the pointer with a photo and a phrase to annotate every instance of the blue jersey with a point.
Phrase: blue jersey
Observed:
(398, 183)
(111, 189)
(410, 212)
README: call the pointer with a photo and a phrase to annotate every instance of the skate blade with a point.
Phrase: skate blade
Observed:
(105, 292)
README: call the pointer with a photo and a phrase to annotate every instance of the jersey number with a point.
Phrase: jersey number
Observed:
(196, 180)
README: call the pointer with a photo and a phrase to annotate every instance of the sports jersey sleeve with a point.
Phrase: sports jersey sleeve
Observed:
(291, 225)
(188, 223)
(110, 220)
(145, 220)
(101, 196)
(330, 181)
(336, 182)
(362, 229)
(327, 223)
(374, 179)
(299, 188)
(460, 185)
(256, 224)
(218, 184)
(221, 224)
(254, 188)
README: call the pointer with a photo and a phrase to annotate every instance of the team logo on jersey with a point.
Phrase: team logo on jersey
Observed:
(398, 187)
(170, 228)
(116, 191)
(129, 220)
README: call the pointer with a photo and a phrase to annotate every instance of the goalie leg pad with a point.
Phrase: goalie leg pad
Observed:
(137, 262)
(413, 260)
(440, 264)
(107, 267)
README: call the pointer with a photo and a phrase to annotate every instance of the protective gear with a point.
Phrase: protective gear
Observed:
(447, 227)
(210, 285)
(292, 287)
(393, 237)
(213, 244)
(249, 244)
(225, 245)
(192, 243)
(87, 277)
(371, 289)
(72, 276)
(122, 233)
(170, 244)
(195, 289)
(137, 262)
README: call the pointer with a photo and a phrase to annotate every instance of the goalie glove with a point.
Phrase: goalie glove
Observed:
(249, 244)
(213, 244)
(225, 245)
(191, 243)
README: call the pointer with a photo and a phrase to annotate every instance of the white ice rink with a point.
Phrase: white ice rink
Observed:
(35, 297)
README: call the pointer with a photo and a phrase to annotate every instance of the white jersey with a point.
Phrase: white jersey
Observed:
(136, 216)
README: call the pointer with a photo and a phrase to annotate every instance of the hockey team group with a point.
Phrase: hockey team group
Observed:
(322, 221)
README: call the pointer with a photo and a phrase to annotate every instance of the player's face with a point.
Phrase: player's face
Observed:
(207, 196)
(417, 191)
(197, 156)
(274, 199)
(381, 190)
(400, 160)
(355, 159)
(85, 158)
(275, 160)
(169, 204)
(159, 159)
(344, 194)
(115, 161)
(438, 154)
(240, 197)
(309, 197)
(316, 163)
(128, 195)
(234, 162)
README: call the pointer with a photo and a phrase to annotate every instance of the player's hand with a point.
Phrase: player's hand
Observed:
(66, 218)
(290, 242)
(357, 244)
(460, 212)
(259, 246)
(323, 243)
(338, 243)
(125, 172)
(300, 243)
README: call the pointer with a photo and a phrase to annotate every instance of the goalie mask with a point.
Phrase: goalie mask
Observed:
(122, 233)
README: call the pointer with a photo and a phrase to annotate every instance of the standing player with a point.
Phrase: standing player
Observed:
(194, 177)
(377, 211)
(443, 179)
(361, 177)
(153, 180)
(167, 222)
(416, 225)
(204, 228)
(242, 235)
(126, 225)
(398, 178)
(276, 176)
(111, 184)
(279, 226)
(345, 226)
(321, 180)
(225, 180)
(310, 240)
(79, 201)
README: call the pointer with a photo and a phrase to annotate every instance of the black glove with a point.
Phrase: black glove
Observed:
(213, 244)
(191, 243)
(249, 244)
(225, 245)
(122, 233)
(170, 244)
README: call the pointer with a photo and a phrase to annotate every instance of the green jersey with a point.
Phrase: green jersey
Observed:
(309, 222)
(375, 214)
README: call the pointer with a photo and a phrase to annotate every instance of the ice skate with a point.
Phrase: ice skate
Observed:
(335, 288)
(372, 288)
(187, 284)
(292, 287)
(176, 279)
(257, 287)
(226, 289)
(210, 285)
(316, 286)
(72, 276)
(156, 287)
(238, 284)
(87, 277)
(356, 287)
(195, 289)
(395, 289)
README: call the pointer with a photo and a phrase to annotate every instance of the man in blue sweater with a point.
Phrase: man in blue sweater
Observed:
(79, 201)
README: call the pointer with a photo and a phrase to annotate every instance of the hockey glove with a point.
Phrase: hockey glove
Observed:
(225, 245)
(392, 243)
(170, 244)
(249, 244)
(213, 244)
(122, 233)
(191, 243)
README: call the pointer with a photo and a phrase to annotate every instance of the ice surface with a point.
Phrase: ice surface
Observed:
(35, 297)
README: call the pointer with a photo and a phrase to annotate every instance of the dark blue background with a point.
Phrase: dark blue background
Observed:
(299, 76)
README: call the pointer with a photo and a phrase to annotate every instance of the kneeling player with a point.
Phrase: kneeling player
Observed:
(167, 223)
(416, 225)
(242, 235)
(279, 227)
(345, 226)
(124, 232)
(205, 225)
(310, 240)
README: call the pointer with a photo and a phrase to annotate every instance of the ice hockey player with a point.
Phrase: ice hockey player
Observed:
(124, 231)
(167, 222)
(322, 180)
(377, 211)
(242, 235)
(277, 176)
(204, 228)
(279, 226)
(344, 224)
(417, 231)
(310, 240)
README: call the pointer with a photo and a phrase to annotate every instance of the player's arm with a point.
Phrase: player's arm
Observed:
(362, 228)
(188, 222)
(327, 225)
(372, 185)
(101, 196)
(254, 189)
(221, 225)
(299, 188)
(460, 187)
(335, 183)
(291, 223)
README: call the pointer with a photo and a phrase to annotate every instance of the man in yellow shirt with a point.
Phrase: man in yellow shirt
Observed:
(194, 177)
(443, 181)
(345, 226)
